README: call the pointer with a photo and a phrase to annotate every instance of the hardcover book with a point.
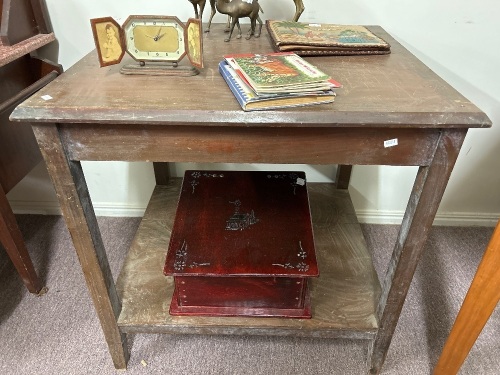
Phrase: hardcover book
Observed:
(310, 39)
(250, 101)
(283, 72)
(242, 244)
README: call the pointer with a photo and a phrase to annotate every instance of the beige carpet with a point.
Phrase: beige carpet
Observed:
(59, 333)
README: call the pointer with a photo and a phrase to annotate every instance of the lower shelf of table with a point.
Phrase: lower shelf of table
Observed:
(343, 298)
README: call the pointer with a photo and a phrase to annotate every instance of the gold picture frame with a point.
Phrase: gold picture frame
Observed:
(194, 42)
(108, 38)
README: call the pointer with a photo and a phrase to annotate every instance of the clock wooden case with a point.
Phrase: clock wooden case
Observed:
(242, 245)
(157, 43)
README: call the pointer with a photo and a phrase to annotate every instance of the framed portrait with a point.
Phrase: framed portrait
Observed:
(194, 42)
(109, 42)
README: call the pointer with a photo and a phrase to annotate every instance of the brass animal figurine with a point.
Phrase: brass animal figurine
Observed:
(299, 9)
(237, 9)
(201, 5)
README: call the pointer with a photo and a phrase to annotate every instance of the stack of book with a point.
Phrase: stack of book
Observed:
(276, 80)
(314, 39)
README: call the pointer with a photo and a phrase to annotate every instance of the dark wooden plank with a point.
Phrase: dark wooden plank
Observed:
(76, 206)
(41, 67)
(18, 22)
(11, 53)
(249, 145)
(343, 176)
(12, 240)
(343, 297)
(422, 207)
(162, 173)
(480, 301)
(19, 152)
(383, 91)
(28, 91)
(41, 14)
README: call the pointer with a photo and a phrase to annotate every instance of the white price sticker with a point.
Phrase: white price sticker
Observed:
(391, 143)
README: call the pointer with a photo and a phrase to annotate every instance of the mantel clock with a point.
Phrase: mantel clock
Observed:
(157, 43)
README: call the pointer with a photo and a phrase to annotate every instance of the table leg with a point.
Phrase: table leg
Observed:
(343, 176)
(162, 173)
(76, 206)
(422, 206)
(479, 303)
(12, 240)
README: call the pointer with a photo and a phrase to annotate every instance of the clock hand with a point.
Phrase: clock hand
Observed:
(157, 35)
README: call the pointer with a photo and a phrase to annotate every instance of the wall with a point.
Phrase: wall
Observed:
(458, 39)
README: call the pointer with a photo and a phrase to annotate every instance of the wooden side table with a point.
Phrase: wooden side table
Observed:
(21, 74)
(479, 303)
(101, 115)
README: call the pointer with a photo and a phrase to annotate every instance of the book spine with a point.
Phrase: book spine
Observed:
(235, 88)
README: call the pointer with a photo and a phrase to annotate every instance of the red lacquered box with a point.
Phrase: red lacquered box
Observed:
(242, 244)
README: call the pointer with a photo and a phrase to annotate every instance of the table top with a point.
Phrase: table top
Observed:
(395, 90)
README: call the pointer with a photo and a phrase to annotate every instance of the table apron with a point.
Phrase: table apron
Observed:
(373, 146)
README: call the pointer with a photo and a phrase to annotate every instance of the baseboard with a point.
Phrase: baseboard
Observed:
(453, 219)
(364, 216)
(53, 208)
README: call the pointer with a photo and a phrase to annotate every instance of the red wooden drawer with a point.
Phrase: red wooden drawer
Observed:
(242, 244)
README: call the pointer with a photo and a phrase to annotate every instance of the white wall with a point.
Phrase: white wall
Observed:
(458, 39)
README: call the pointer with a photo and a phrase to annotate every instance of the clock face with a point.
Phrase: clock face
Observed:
(154, 38)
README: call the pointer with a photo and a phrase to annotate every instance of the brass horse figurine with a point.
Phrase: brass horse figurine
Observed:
(237, 9)
(299, 9)
(201, 5)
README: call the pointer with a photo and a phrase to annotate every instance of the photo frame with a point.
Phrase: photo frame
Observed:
(194, 42)
(109, 40)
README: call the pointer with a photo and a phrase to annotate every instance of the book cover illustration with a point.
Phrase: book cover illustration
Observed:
(336, 39)
(278, 70)
(250, 101)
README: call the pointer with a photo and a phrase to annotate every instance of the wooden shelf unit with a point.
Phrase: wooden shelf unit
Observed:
(22, 73)
(344, 297)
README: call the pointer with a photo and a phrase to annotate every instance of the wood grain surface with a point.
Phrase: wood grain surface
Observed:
(389, 90)
(343, 298)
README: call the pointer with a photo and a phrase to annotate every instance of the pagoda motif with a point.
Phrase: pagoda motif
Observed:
(238, 220)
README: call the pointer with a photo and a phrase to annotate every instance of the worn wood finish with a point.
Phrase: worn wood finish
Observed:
(101, 117)
(395, 90)
(248, 144)
(12, 240)
(18, 22)
(19, 152)
(162, 173)
(23, 19)
(343, 297)
(422, 207)
(480, 301)
(343, 176)
(76, 206)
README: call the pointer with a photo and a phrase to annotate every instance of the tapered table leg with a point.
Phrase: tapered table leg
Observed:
(71, 189)
(162, 173)
(12, 240)
(426, 195)
(479, 303)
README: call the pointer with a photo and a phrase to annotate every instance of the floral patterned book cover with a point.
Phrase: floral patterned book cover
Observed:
(325, 39)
